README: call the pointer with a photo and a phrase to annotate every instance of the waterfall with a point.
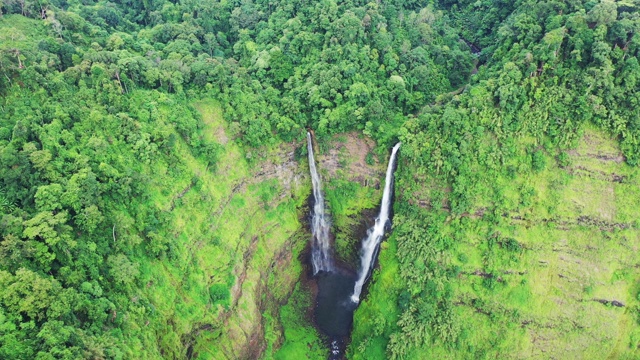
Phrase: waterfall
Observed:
(374, 234)
(320, 250)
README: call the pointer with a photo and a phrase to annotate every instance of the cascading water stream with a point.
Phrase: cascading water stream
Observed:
(338, 292)
(375, 234)
(320, 250)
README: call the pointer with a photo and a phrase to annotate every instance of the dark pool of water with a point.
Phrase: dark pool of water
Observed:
(334, 308)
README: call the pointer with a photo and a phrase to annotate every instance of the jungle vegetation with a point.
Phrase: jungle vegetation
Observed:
(141, 215)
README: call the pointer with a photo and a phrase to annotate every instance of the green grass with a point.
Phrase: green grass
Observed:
(232, 232)
(19, 32)
(347, 200)
(253, 224)
(300, 339)
(376, 317)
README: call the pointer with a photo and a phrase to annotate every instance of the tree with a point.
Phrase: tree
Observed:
(48, 197)
(27, 293)
(123, 271)
(6, 206)
(604, 13)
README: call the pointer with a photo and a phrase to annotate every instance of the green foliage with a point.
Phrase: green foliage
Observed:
(219, 294)
(91, 244)
(564, 160)
(511, 244)
(538, 161)
(347, 200)
(300, 338)
(534, 94)
(5, 205)
(369, 159)
(488, 270)
(100, 143)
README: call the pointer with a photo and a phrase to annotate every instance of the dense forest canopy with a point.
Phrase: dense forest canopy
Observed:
(96, 96)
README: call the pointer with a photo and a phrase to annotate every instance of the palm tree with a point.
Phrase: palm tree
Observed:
(6, 206)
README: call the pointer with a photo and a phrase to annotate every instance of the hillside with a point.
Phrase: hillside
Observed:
(155, 193)
(554, 276)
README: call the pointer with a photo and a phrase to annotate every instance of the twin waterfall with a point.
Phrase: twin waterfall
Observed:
(321, 249)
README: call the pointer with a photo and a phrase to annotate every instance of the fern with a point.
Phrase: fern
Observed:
(6, 206)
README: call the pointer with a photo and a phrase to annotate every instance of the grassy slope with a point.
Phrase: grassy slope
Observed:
(378, 312)
(300, 340)
(266, 226)
(19, 32)
(580, 239)
(237, 227)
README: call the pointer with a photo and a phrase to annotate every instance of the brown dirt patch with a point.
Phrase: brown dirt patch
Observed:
(220, 135)
(348, 159)
(596, 146)
(283, 166)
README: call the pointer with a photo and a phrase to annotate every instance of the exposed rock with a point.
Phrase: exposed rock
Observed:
(615, 303)
(348, 158)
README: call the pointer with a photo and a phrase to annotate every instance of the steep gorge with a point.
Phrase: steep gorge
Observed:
(141, 219)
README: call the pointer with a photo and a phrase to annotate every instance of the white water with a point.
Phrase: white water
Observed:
(374, 234)
(320, 250)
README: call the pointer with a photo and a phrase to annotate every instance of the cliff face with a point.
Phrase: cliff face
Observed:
(259, 214)
(268, 314)
(255, 216)
(351, 156)
(354, 173)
